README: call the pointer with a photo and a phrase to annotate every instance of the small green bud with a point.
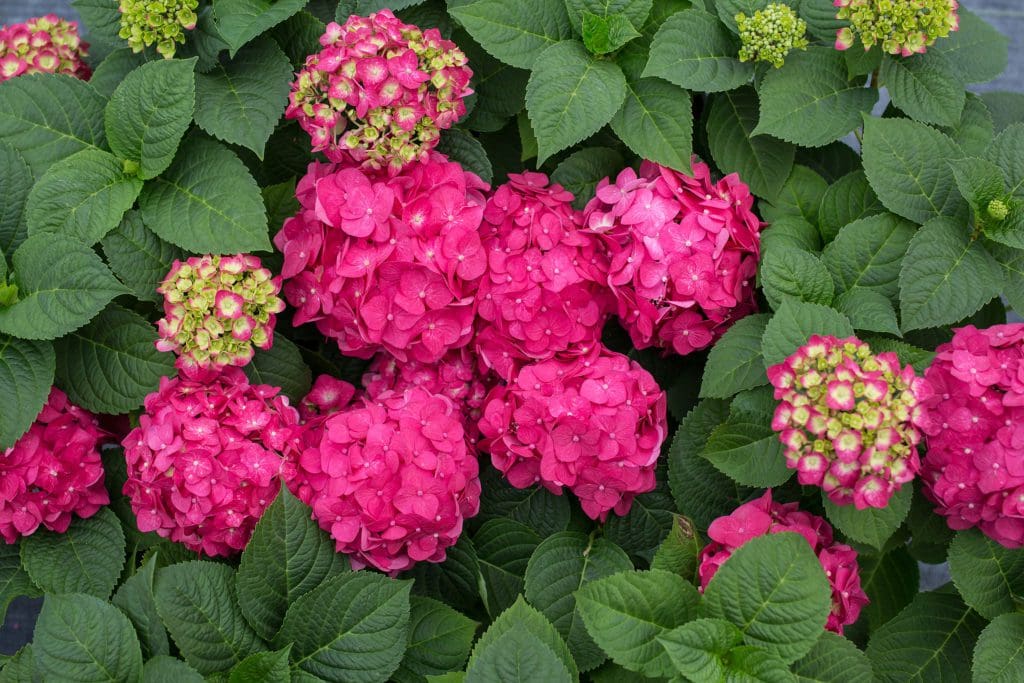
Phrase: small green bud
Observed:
(771, 34)
(8, 295)
(998, 210)
(130, 167)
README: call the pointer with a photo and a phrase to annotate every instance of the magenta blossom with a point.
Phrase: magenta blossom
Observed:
(764, 516)
(205, 460)
(974, 427)
(43, 45)
(52, 472)
(384, 262)
(391, 479)
(683, 253)
(592, 423)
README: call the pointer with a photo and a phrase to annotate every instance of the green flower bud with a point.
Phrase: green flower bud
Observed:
(771, 34)
(157, 22)
(998, 210)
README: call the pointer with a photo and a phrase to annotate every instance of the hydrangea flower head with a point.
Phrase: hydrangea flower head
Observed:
(380, 91)
(383, 262)
(771, 34)
(392, 479)
(217, 309)
(52, 472)
(973, 468)
(592, 423)
(327, 395)
(43, 45)
(901, 27)
(848, 419)
(205, 461)
(544, 291)
(765, 516)
(157, 22)
(683, 253)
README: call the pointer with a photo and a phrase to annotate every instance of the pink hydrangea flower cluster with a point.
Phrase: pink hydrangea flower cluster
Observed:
(390, 263)
(43, 45)
(592, 423)
(973, 468)
(216, 309)
(544, 292)
(683, 253)
(765, 516)
(380, 91)
(205, 461)
(391, 479)
(52, 472)
(848, 419)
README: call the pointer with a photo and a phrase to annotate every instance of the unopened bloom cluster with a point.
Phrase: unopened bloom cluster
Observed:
(391, 479)
(216, 309)
(43, 45)
(974, 431)
(52, 472)
(387, 262)
(683, 253)
(847, 419)
(157, 22)
(544, 291)
(592, 423)
(205, 461)
(380, 92)
(771, 34)
(765, 516)
(901, 27)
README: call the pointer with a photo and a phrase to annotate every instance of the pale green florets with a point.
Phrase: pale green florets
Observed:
(157, 22)
(771, 34)
(902, 27)
(998, 209)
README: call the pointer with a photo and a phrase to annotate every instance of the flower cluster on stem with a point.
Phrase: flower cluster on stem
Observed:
(901, 27)
(43, 45)
(157, 22)
(771, 34)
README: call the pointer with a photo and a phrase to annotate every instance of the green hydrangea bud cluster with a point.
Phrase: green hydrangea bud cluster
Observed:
(771, 34)
(998, 209)
(902, 27)
(157, 22)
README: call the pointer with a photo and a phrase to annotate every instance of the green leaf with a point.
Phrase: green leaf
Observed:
(979, 181)
(646, 525)
(299, 35)
(868, 253)
(847, 200)
(868, 310)
(149, 113)
(262, 666)
(456, 581)
(1012, 263)
(800, 197)
(1005, 152)
(499, 88)
(139, 258)
(636, 11)
(656, 122)
(695, 51)
(535, 506)
(114, 67)
(111, 364)
(14, 580)
(16, 181)
(930, 641)
(945, 276)
(990, 577)
(196, 601)
(46, 118)
(515, 33)
(135, 598)
(584, 169)
(977, 50)
(352, 628)
(873, 526)
(1006, 108)
(239, 21)
(439, 640)
(698, 648)
(206, 202)
(241, 101)
(626, 612)
(735, 362)
(833, 659)
(748, 663)
(101, 20)
(927, 87)
(748, 450)
(165, 669)
(561, 565)
(81, 638)
(891, 581)
(503, 551)
(287, 557)
(26, 374)
(570, 96)
(281, 366)
(521, 646)
(20, 668)
(87, 558)
(460, 146)
(975, 130)
(762, 161)
(811, 102)
(906, 164)
(794, 323)
(83, 196)
(795, 273)
(602, 35)
(774, 589)
(62, 284)
(820, 16)
(999, 654)
(680, 550)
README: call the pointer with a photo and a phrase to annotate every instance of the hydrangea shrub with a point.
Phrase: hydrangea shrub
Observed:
(654, 340)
